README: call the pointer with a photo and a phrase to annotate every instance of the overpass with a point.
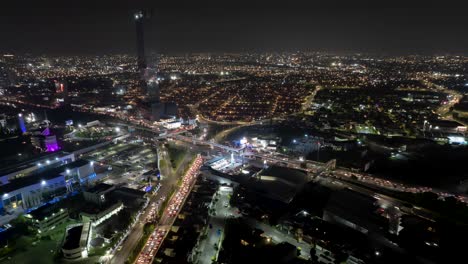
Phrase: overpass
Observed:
(195, 141)
(315, 169)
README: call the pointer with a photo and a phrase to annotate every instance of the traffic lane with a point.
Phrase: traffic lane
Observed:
(150, 250)
(137, 232)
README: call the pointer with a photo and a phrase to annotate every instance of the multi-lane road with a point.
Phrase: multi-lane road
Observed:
(318, 167)
(170, 213)
(136, 233)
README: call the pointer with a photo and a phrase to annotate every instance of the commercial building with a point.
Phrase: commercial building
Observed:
(445, 126)
(98, 193)
(217, 163)
(100, 216)
(266, 144)
(307, 145)
(28, 167)
(45, 141)
(106, 200)
(47, 217)
(33, 190)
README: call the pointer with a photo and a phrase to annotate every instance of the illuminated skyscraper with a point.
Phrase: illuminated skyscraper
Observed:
(141, 63)
(151, 108)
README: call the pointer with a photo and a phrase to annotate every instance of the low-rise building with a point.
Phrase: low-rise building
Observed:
(35, 189)
(47, 217)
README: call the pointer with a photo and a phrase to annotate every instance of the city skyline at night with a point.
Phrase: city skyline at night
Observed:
(211, 132)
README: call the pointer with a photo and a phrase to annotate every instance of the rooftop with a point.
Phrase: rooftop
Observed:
(30, 162)
(45, 211)
(101, 187)
(72, 240)
(35, 178)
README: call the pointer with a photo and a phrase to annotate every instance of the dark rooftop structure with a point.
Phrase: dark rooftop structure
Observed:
(45, 211)
(101, 187)
(29, 163)
(39, 176)
(72, 240)
(354, 210)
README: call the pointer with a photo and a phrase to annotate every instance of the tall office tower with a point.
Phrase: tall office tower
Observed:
(141, 63)
(151, 106)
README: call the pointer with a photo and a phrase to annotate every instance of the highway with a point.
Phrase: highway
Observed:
(169, 215)
(318, 168)
(136, 232)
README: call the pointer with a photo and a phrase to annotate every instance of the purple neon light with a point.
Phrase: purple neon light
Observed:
(51, 147)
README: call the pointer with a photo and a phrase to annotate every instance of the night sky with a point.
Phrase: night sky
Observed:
(387, 27)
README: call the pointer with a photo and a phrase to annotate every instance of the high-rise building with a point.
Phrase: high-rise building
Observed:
(151, 108)
(141, 60)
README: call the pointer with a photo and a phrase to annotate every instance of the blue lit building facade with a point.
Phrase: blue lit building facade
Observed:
(45, 185)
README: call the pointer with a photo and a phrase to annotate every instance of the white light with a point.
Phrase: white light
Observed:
(117, 129)
(294, 141)
(456, 140)
(48, 161)
(243, 141)
(79, 125)
(43, 182)
(5, 195)
(20, 115)
(91, 163)
(56, 158)
(68, 171)
(377, 253)
(39, 164)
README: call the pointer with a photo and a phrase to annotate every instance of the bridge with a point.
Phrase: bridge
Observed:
(313, 168)
(195, 141)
